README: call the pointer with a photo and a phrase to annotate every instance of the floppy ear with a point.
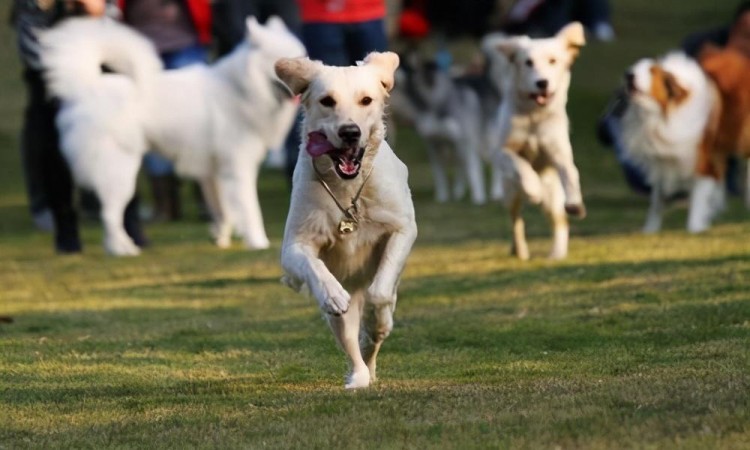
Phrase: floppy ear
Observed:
(508, 48)
(297, 73)
(574, 36)
(707, 50)
(386, 64)
(674, 90)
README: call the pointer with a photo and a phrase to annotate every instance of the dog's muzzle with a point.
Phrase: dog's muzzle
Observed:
(347, 160)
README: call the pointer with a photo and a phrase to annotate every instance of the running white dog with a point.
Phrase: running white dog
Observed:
(351, 220)
(215, 122)
(536, 161)
(664, 126)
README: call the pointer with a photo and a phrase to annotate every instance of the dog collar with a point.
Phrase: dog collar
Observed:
(352, 217)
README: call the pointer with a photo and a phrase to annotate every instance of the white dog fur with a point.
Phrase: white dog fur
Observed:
(353, 276)
(536, 162)
(663, 137)
(215, 123)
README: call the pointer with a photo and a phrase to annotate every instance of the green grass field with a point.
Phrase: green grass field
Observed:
(632, 342)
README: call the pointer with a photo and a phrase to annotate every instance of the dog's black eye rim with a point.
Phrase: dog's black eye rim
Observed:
(365, 101)
(328, 101)
(530, 63)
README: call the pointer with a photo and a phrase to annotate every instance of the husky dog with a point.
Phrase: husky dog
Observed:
(536, 163)
(351, 220)
(214, 122)
(453, 115)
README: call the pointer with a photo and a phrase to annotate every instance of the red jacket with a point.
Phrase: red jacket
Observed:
(200, 13)
(341, 11)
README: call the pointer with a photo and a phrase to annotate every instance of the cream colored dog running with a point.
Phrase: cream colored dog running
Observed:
(351, 220)
(536, 164)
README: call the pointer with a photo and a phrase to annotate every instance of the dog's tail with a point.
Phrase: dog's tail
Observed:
(75, 51)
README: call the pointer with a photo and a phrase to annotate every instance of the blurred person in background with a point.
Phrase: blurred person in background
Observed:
(734, 35)
(230, 15)
(543, 18)
(181, 32)
(48, 179)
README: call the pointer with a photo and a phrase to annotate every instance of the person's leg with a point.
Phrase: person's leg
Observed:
(56, 179)
(325, 42)
(291, 146)
(31, 156)
(596, 17)
(365, 37)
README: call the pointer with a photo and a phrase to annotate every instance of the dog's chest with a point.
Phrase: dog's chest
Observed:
(354, 255)
(529, 139)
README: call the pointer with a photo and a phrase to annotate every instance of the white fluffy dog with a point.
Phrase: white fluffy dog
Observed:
(664, 125)
(215, 122)
(536, 161)
(351, 221)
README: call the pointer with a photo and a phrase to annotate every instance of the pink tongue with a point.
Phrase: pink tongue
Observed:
(317, 144)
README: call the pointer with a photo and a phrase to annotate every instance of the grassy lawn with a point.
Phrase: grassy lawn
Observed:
(632, 342)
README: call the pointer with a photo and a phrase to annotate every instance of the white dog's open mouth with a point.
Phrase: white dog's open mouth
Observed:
(541, 98)
(346, 161)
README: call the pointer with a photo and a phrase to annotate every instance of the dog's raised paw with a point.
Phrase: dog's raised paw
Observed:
(336, 300)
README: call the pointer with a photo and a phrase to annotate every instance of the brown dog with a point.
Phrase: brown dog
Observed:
(728, 131)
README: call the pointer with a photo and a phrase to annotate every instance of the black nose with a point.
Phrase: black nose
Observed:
(629, 78)
(350, 133)
(542, 84)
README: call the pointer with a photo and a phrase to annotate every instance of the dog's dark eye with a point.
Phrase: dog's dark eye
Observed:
(530, 63)
(328, 101)
(365, 101)
(552, 61)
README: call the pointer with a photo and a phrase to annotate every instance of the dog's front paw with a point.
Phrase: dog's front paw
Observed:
(257, 243)
(222, 234)
(358, 379)
(334, 299)
(577, 210)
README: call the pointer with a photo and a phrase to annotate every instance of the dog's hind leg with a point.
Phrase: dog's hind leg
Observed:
(240, 186)
(346, 328)
(115, 186)
(471, 163)
(655, 211)
(221, 229)
(378, 323)
(553, 204)
(440, 178)
(520, 247)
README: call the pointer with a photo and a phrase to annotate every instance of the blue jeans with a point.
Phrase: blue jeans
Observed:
(343, 44)
(155, 164)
